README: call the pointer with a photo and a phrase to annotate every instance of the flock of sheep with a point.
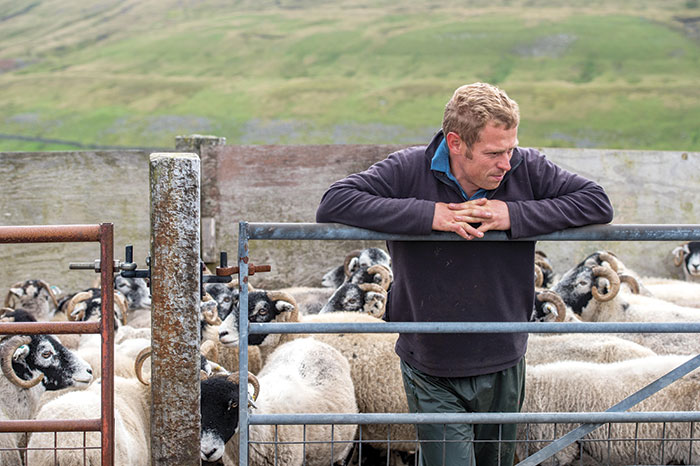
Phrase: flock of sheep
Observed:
(57, 377)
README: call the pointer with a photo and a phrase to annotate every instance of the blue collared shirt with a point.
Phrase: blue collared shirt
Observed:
(441, 163)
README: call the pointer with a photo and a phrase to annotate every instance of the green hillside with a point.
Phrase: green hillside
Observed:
(616, 74)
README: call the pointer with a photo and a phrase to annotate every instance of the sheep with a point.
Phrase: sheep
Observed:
(35, 297)
(575, 386)
(132, 405)
(543, 270)
(353, 261)
(357, 293)
(369, 355)
(32, 365)
(301, 376)
(688, 256)
(138, 299)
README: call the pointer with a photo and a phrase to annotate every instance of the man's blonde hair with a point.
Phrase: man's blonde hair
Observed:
(473, 106)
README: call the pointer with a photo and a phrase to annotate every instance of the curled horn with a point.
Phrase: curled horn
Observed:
(235, 378)
(351, 255)
(613, 278)
(77, 298)
(212, 316)
(52, 295)
(539, 276)
(277, 295)
(10, 294)
(554, 298)
(120, 301)
(3, 314)
(8, 350)
(383, 272)
(631, 281)
(210, 350)
(543, 264)
(138, 364)
(610, 258)
(203, 375)
(678, 256)
(377, 289)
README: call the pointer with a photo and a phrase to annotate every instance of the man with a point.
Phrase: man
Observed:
(470, 179)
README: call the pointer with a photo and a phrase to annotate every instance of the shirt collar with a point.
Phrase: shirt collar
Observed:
(441, 163)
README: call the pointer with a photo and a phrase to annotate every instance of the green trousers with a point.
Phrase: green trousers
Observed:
(465, 444)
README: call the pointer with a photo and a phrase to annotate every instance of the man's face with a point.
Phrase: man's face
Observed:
(484, 164)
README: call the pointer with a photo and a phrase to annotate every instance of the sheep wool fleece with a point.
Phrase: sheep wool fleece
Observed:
(462, 281)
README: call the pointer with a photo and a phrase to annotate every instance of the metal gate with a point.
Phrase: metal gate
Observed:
(102, 233)
(590, 421)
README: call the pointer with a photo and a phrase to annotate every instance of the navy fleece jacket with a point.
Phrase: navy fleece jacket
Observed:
(462, 281)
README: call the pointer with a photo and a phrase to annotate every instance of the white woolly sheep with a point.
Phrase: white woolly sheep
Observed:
(302, 376)
(368, 354)
(574, 386)
(32, 365)
(132, 407)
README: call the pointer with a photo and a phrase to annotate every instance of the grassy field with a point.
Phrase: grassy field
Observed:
(616, 74)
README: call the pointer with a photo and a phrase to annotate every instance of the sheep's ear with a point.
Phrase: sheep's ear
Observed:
(679, 254)
(353, 265)
(20, 353)
(17, 291)
(284, 306)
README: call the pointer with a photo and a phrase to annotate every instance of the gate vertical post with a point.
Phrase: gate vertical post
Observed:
(175, 361)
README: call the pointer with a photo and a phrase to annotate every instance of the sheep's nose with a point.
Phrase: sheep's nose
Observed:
(223, 333)
(208, 454)
(89, 370)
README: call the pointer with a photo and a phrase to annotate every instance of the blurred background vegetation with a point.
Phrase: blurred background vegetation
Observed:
(135, 73)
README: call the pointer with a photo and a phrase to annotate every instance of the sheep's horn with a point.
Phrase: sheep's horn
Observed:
(120, 300)
(610, 258)
(9, 295)
(540, 253)
(138, 364)
(3, 313)
(678, 256)
(377, 289)
(543, 263)
(236, 378)
(539, 276)
(8, 350)
(210, 350)
(203, 375)
(77, 298)
(554, 298)
(351, 255)
(281, 295)
(631, 281)
(52, 295)
(384, 274)
(212, 317)
(613, 278)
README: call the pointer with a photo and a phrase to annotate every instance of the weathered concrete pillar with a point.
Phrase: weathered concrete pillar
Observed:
(196, 143)
(175, 243)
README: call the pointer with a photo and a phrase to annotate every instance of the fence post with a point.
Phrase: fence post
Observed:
(195, 143)
(175, 242)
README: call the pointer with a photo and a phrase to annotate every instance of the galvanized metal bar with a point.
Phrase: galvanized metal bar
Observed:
(635, 398)
(243, 239)
(175, 265)
(477, 327)
(609, 232)
(54, 425)
(477, 418)
(107, 331)
(49, 234)
(33, 328)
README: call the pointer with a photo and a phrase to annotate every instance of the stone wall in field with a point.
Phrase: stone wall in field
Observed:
(285, 184)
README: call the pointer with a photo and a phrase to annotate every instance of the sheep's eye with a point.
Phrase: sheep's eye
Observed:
(227, 299)
(46, 354)
(352, 301)
(263, 312)
(232, 405)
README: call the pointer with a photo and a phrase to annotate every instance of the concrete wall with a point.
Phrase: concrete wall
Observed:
(285, 184)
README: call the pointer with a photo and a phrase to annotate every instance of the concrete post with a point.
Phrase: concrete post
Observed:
(175, 243)
(195, 143)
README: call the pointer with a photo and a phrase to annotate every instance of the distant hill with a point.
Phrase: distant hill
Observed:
(612, 74)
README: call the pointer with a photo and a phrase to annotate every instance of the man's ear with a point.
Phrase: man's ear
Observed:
(454, 142)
